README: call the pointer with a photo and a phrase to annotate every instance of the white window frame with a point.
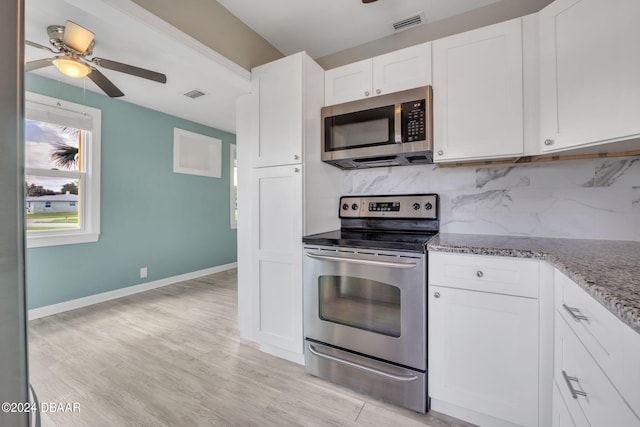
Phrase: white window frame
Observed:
(89, 190)
(233, 189)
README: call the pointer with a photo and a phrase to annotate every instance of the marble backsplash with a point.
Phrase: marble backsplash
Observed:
(584, 199)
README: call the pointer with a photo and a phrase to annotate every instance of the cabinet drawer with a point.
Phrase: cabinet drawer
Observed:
(509, 276)
(598, 329)
(613, 345)
(583, 385)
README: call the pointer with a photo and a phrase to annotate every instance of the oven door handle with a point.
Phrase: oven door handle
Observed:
(363, 261)
(403, 378)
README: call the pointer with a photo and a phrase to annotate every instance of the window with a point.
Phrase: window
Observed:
(62, 172)
(233, 202)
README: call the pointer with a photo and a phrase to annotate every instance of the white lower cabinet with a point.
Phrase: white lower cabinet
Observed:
(593, 358)
(483, 346)
(589, 395)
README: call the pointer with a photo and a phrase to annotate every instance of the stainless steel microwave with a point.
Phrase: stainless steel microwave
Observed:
(388, 130)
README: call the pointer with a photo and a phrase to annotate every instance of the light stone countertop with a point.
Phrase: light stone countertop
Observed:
(608, 270)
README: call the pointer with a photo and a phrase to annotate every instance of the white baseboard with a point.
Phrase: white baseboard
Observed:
(283, 354)
(48, 310)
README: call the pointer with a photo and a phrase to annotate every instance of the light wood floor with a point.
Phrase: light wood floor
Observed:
(172, 357)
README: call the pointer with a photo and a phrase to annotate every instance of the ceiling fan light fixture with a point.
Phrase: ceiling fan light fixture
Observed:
(77, 37)
(71, 67)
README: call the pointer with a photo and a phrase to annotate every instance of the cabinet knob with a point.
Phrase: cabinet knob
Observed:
(296, 157)
(436, 294)
(366, 93)
(479, 273)
(548, 142)
(440, 152)
(296, 170)
(378, 91)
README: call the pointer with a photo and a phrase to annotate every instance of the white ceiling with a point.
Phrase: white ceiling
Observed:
(323, 27)
(127, 33)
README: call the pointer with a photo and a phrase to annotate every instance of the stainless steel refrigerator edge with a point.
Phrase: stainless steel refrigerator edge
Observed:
(13, 341)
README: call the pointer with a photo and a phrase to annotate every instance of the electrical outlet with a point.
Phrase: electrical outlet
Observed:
(143, 272)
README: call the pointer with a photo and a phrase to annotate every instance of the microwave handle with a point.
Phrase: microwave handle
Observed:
(397, 126)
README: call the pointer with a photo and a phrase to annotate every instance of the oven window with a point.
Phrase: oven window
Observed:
(361, 129)
(360, 303)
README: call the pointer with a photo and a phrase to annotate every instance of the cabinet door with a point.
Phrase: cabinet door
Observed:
(348, 83)
(280, 121)
(478, 93)
(402, 69)
(589, 68)
(277, 269)
(483, 353)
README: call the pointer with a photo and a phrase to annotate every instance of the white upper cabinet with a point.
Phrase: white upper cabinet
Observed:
(589, 73)
(279, 85)
(402, 69)
(478, 93)
(399, 70)
(349, 82)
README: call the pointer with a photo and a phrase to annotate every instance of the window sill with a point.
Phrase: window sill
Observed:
(60, 239)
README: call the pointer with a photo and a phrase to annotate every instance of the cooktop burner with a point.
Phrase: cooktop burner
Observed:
(401, 222)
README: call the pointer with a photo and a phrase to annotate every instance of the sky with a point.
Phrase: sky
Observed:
(40, 140)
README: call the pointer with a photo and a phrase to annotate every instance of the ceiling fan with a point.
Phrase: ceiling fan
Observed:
(73, 46)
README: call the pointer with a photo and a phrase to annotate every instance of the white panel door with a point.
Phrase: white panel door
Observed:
(589, 68)
(483, 353)
(277, 218)
(348, 83)
(478, 93)
(402, 69)
(280, 122)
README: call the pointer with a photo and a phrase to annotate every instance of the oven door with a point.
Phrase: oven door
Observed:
(366, 301)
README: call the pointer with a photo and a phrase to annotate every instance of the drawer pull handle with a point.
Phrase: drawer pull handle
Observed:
(575, 313)
(574, 393)
(479, 273)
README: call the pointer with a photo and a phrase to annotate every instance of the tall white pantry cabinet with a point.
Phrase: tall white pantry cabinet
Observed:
(278, 143)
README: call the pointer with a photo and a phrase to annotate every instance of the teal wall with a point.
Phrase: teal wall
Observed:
(171, 223)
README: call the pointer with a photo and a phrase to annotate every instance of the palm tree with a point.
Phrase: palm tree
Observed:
(65, 156)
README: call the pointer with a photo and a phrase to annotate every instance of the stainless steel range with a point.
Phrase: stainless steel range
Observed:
(365, 305)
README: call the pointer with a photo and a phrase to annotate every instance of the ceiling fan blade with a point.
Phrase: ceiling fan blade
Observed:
(39, 46)
(130, 69)
(104, 83)
(38, 63)
(77, 37)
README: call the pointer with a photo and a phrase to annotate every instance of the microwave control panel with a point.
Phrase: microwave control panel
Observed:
(414, 121)
(419, 206)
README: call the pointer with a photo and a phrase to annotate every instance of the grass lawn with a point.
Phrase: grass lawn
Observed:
(70, 218)
(70, 215)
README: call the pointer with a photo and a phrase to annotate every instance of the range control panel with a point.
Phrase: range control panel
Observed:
(419, 206)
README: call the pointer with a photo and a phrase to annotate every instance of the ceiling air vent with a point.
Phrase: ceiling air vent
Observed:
(409, 22)
(195, 94)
